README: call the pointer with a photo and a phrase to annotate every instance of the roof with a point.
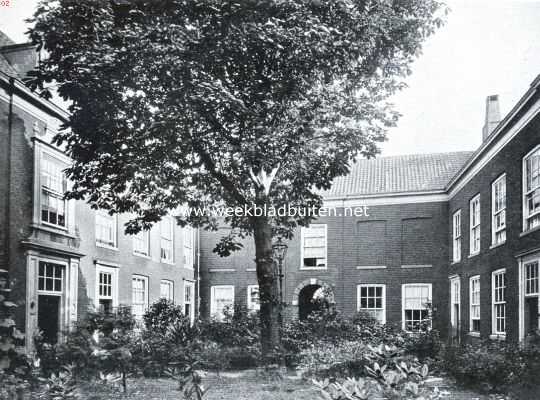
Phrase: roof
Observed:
(399, 174)
(5, 66)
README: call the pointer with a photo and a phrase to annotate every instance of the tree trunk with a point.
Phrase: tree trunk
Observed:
(268, 290)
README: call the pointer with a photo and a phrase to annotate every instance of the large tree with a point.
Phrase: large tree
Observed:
(222, 102)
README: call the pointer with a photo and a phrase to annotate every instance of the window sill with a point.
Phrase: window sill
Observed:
(188, 266)
(455, 262)
(142, 255)
(473, 255)
(371, 267)
(498, 336)
(474, 334)
(302, 268)
(168, 262)
(53, 229)
(525, 233)
(412, 266)
(494, 246)
(104, 246)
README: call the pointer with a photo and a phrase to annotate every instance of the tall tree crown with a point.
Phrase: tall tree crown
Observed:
(189, 101)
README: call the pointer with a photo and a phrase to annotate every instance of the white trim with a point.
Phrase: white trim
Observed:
(302, 233)
(115, 224)
(523, 261)
(453, 288)
(472, 201)
(501, 178)
(69, 205)
(384, 199)
(417, 266)
(213, 311)
(146, 294)
(191, 284)
(480, 159)
(140, 254)
(371, 267)
(405, 285)
(494, 331)
(170, 284)
(471, 279)
(188, 263)
(114, 281)
(525, 229)
(251, 306)
(161, 239)
(359, 288)
(456, 256)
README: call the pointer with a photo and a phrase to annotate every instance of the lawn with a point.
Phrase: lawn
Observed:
(245, 385)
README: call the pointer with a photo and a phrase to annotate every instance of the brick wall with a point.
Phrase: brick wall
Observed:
(508, 161)
(364, 241)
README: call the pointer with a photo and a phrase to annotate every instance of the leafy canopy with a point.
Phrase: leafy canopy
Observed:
(224, 102)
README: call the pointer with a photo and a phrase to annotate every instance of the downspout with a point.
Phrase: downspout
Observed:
(9, 151)
(198, 313)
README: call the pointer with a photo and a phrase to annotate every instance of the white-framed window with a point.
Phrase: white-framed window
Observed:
(531, 189)
(253, 302)
(498, 207)
(221, 297)
(141, 243)
(498, 299)
(189, 300)
(53, 183)
(166, 227)
(106, 230)
(416, 303)
(188, 247)
(166, 289)
(474, 209)
(106, 288)
(314, 242)
(139, 296)
(474, 302)
(50, 277)
(456, 235)
(531, 279)
(371, 299)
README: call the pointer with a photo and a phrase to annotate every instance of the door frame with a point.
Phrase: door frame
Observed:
(455, 292)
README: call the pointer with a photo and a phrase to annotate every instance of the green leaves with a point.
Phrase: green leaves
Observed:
(182, 103)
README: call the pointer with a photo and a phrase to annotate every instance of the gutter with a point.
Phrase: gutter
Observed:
(198, 311)
(9, 151)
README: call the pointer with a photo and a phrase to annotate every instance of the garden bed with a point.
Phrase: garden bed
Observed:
(245, 385)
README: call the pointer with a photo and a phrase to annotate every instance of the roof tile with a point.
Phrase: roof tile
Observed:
(398, 174)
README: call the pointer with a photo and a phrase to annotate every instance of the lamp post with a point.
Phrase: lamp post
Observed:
(279, 249)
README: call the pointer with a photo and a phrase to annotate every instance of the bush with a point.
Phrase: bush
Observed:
(492, 366)
(166, 339)
(236, 338)
(15, 368)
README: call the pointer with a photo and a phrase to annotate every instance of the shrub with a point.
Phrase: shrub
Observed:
(165, 339)
(15, 368)
(492, 366)
(236, 338)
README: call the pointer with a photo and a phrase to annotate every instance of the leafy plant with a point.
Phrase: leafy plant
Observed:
(15, 367)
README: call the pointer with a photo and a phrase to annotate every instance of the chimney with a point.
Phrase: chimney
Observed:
(493, 116)
(22, 57)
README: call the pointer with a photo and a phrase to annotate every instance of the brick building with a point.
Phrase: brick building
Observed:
(457, 231)
(62, 256)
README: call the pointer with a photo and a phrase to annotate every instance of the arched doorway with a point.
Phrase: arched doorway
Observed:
(313, 297)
